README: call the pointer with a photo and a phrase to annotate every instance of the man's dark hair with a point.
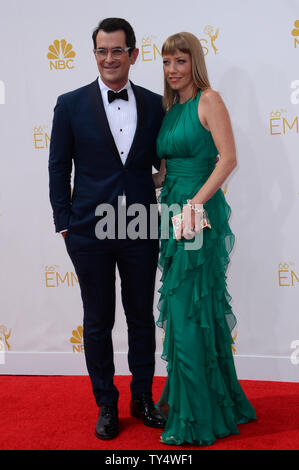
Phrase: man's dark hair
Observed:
(109, 25)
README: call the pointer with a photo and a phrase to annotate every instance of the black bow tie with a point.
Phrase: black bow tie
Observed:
(122, 95)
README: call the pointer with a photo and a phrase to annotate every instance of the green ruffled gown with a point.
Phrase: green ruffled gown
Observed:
(202, 395)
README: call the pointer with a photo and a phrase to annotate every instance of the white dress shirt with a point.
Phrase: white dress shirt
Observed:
(122, 118)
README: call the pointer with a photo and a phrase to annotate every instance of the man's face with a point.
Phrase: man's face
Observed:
(114, 72)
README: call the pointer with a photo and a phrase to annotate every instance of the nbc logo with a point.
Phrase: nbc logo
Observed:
(2, 92)
(77, 340)
(295, 33)
(61, 55)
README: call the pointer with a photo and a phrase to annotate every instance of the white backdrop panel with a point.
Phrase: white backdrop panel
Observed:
(252, 53)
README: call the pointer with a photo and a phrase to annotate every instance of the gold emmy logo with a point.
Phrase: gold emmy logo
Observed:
(41, 138)
(280, 125)
(295, 33)
(224, 189)
(209, 30)
(234, 337)
(286, 275)
(77, 340)
(4, 336)
(54, 278)
(61, 55)
(149, 50)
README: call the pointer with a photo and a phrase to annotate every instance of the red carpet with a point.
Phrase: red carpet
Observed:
(49, 413)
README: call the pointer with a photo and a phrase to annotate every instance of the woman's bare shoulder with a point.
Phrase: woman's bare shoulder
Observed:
(210, 97)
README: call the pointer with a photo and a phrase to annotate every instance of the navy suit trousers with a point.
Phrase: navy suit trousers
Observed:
(136, 261)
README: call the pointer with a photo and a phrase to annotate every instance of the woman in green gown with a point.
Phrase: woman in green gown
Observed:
(202, 395)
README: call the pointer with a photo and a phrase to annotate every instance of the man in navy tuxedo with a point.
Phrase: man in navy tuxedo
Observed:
(107, 130)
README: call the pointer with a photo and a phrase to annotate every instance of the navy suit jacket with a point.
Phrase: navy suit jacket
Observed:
(81, 137)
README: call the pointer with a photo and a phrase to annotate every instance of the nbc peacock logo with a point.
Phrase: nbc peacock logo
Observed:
(295, 33)
(77, 339)
(61, 55)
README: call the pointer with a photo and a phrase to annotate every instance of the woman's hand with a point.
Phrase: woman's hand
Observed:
(191, 223)
(158, 178)
(188, 223)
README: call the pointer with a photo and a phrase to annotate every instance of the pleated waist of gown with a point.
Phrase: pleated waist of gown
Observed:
(189, 167)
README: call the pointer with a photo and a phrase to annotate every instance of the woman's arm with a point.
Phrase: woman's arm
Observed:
(159, 177)
(214, 116)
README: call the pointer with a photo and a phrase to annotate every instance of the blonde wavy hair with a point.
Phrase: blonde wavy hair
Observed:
(190, 44)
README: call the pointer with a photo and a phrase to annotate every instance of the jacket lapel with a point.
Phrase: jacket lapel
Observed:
(97, 106)
(141, 115)
(98, 111)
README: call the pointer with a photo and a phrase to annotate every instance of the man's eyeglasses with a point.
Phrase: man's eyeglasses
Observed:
(116, 52)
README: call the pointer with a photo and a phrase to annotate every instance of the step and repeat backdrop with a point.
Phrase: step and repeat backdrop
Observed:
(252, 54)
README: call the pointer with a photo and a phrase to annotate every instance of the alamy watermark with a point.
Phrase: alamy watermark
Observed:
(143, 223)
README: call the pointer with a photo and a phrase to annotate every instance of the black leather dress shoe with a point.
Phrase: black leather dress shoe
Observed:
(107, 423)
(144, 407)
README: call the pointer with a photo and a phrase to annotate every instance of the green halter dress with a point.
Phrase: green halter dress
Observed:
(202, 396)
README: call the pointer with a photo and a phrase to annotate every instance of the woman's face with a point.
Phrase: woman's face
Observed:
(177, 71)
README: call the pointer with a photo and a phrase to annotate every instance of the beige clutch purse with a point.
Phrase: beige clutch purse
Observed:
(177, 221)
